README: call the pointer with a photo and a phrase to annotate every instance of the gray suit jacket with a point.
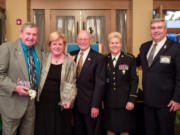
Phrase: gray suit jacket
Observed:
(68, 89)
(12, 68)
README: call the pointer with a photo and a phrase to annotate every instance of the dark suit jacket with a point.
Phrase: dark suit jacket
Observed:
(91, 82)
(121, 81)
(161, 81)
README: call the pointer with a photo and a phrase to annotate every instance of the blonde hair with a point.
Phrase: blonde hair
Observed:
(114, 35)
(57, 35)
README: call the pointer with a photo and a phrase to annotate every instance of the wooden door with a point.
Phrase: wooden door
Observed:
(80, 19)
(65, 21)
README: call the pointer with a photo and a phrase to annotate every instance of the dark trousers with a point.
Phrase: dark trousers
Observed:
(159, 121)
(85, 125)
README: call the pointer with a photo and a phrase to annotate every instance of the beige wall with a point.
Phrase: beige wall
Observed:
(142, 15)
(15, 9)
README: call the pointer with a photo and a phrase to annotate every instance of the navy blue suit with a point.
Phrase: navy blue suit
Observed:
(90, 85)
(161, 83)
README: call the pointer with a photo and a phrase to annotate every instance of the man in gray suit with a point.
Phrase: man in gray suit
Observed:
(16, 107)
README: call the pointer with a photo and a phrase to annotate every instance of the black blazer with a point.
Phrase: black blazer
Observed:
(121, 81)
(91, 82)
(161, 81)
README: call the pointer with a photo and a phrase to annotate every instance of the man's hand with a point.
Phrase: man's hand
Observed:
(21, 90)
(94, 112)
(70, 56)
(174, 106)
(129, 106)
(66, 105)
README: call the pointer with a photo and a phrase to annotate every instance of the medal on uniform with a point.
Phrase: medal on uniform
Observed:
(123, 68)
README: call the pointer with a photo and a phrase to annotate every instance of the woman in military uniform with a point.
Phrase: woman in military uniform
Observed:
(121, 86)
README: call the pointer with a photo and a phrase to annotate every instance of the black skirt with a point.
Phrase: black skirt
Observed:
(119, 120)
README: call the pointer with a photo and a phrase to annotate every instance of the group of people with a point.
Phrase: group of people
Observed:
(84, 92)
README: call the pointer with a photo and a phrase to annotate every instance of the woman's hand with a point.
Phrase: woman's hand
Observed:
(129, 106)
(66, 105)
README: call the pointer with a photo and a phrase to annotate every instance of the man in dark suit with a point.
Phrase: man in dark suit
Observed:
(16, 107)
(160, 60)
(90, 85)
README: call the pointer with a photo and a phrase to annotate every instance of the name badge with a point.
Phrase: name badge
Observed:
(165, 59)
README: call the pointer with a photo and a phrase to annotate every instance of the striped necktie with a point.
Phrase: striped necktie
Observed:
(79, 66)
(32, 70)
(151, 55)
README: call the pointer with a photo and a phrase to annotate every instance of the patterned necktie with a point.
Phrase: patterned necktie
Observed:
(114, 61)
(79, 66)
(32, 70)
(151, 55)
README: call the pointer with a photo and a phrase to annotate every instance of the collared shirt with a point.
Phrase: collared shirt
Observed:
(85, 54)
(158, 47)
(116, 58)
(36, 61)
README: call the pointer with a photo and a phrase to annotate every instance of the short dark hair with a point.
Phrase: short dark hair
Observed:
(28, 24)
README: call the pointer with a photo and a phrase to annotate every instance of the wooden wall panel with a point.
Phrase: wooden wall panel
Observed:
(167, 4)
(77, 4)
(2, 4)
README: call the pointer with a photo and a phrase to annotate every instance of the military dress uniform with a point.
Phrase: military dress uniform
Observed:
(121, 87)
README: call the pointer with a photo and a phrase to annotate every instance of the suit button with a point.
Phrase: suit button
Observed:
(114, 83)
(114, 88)
(113, 73)
(114, 78)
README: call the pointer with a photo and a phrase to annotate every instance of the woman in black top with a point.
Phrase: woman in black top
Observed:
(57, 90)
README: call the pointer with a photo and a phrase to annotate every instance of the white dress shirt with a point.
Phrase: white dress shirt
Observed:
(158, 47)
(85, 54)
(116, 58)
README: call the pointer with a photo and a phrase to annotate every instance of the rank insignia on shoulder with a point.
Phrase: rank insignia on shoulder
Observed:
(130, 55)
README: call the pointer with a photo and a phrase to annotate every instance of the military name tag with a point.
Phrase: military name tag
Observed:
(165, 59)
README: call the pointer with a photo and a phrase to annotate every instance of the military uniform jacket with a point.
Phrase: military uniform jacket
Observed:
(121, 81)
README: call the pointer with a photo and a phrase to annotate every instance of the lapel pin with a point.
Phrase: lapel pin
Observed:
(89, 59)
(122, 56)
(165, 47)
